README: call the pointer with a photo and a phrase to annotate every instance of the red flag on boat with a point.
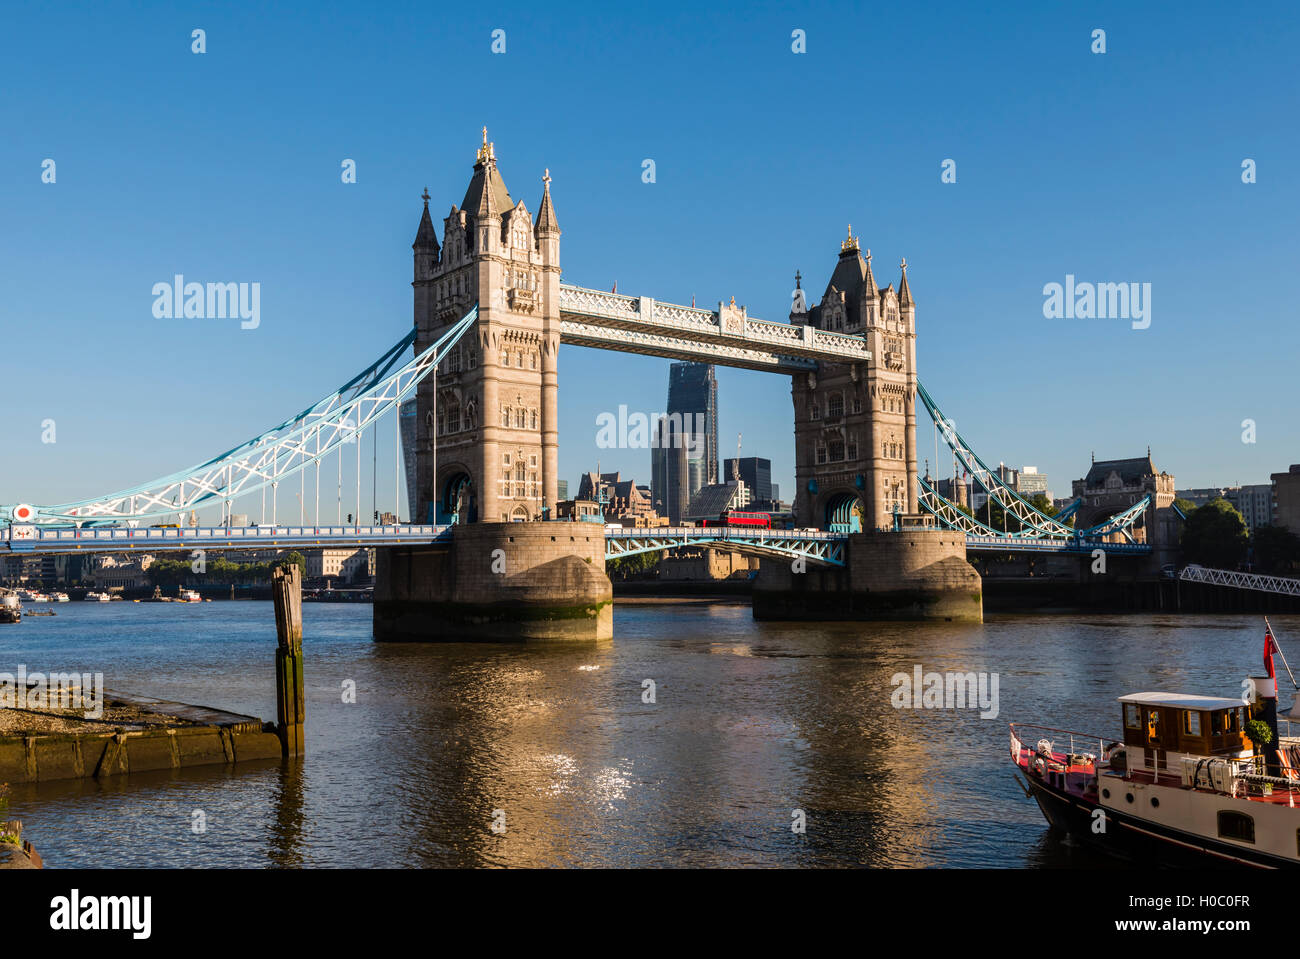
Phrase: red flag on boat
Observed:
(1269, 646)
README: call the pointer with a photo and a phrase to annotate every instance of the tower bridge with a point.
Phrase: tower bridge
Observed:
(490, 314)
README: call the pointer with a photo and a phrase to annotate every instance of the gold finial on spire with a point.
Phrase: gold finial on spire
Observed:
(487, 151)
(850, 245)
(733, 301)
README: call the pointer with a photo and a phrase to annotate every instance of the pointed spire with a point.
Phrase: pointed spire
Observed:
(487, 194)
(546, 222)
(869, 280)
(425, 237)
(487, 202)
(904, 293)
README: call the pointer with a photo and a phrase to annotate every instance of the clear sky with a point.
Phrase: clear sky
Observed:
(1123, 166)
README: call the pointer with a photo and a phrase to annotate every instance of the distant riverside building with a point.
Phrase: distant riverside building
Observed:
(755, 471)
(408, 428)
(1254, 503)
(712, 500)
(954, 490)
(622, 498)
(40, 569)
(115, 573)
(577, 509)
(562, 489)
(337, 563)
(1286, 499)
(684, 456)
(1029, 482)
(1112, 486)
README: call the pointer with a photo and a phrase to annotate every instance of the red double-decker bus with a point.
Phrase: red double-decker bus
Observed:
(737, 520)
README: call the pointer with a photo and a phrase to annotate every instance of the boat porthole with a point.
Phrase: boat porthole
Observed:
(1129, 797)
(1105, 794)
(1155, 801)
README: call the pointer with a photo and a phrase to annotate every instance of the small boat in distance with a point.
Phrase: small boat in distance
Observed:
(32, 596)
(189, 596)
(1193, 777)
(94, 597)
(58, 597)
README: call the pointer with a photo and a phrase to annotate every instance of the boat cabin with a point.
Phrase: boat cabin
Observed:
(1180, 723)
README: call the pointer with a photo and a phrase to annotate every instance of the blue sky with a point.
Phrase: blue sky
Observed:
(1115, 167)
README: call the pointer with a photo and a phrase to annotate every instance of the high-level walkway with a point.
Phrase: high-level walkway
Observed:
(727, 336)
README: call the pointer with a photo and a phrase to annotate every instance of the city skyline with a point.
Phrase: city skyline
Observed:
(1029, 208)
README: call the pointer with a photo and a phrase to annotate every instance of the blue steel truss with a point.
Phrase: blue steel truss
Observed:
(1034, 523)
(322, 428)
(818, 547)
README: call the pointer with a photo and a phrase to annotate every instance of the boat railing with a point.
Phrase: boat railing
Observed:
(1064, 741)
(1239, 778)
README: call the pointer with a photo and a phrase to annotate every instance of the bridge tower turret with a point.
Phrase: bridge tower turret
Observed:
(487, 427)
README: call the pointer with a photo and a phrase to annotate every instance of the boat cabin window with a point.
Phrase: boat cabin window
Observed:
(1236, 825)
(1132, 716)
(1192, 722)
(1224, 721)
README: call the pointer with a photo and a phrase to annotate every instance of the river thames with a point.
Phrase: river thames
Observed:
(750, 722)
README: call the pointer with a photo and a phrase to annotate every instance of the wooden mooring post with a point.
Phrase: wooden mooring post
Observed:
(286, 590)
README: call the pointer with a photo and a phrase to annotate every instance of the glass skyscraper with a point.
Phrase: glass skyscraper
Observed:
(684, 457)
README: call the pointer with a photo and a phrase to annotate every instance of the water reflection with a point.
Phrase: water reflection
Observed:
(751, 722)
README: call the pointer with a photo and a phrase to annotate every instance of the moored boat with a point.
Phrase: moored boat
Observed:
(11, 611)
(189, 596)
(94, 597)
(1210, 779)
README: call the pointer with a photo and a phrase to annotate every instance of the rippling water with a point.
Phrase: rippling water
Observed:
(752, 721)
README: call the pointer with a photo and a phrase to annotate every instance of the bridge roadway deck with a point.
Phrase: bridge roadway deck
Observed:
(36, 540)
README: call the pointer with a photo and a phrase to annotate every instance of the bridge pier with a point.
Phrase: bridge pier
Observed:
(907, 575)
(497, 582)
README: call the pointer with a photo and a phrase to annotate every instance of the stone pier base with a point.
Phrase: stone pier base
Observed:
(908, 575)
(521, 582)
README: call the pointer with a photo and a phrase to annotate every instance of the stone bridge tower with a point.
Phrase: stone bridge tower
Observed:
(855, 423)
(491, 410)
